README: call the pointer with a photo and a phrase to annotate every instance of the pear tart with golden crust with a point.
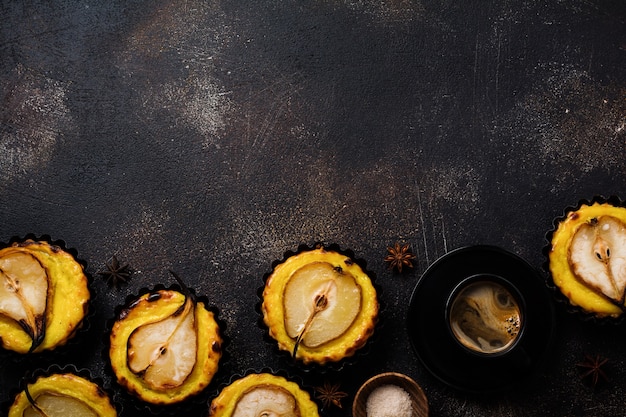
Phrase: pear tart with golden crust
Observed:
(320, 306)
(587, 258)
(44, 296)
(263, 394)
(62, 395)
(165, 346)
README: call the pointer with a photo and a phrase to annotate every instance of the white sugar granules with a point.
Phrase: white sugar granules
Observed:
(389, 401)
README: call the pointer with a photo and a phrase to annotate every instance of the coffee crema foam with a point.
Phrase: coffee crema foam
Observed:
(485, 317)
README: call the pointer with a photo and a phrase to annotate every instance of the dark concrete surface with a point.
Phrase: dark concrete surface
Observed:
(210, 137)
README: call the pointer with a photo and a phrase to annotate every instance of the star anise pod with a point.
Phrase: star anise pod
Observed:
(592, 368)
(399, 256)
(330, 394)
(115, 273)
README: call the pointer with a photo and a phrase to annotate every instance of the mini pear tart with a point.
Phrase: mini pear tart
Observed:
(62, 394)
(44, 295)
(165, 345)
(586, 257)
(319, 305)
(263, 394)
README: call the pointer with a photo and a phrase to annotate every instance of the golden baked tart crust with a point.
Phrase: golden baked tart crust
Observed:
(587, 258)
(320, 306)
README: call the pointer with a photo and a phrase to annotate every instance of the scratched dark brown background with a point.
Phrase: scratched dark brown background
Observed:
(212, 136)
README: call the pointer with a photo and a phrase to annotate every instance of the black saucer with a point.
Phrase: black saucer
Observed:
(442, 354)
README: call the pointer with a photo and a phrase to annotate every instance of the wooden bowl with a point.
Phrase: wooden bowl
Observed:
(418, 398)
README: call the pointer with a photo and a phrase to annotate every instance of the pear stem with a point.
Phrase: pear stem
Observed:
(321, 302)
(32, 402)
(186, 291)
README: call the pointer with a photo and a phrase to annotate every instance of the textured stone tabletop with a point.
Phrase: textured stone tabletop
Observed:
(210, 137)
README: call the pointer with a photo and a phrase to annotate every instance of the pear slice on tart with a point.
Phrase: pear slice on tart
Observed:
(24, 292)
(44, 296)
(265, 399)
(263, 395)
(320, 306)
(597, 256)
(587, 260)
(62, 395)
(321, 302)
(165, 346)
(163, 352)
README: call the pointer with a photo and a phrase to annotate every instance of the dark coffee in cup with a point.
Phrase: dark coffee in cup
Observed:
(485, 316)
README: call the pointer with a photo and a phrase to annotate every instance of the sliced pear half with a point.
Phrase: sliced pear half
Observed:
(321, 302)
(54, 405)
(24, 292)
(597, 256)
(164, 352)
(267, 401)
